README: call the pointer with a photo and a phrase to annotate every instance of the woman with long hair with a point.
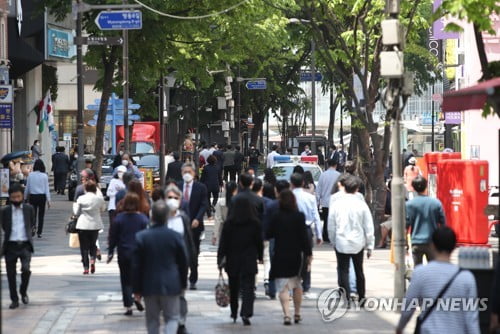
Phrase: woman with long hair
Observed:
(221, 210)
(126, 225)
(37, 193)
(240, 248)
(291, 249)
(269, 176)
(309, 185)
(135, 186)
(88, 208)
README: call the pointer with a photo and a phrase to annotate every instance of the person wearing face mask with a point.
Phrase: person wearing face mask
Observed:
(117, 160)
(36, 152)
(179, 222)
(18, 224)
(115, 185)
(129, 164)
(195, 194)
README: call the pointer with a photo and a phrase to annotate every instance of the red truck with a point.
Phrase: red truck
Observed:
(145, 137)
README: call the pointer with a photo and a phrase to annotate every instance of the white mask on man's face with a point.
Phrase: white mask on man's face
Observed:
(173, 204)
(187, 177)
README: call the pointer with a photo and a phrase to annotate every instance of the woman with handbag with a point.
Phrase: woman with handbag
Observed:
(122, 237)
(88, 208)
(291, 249)
(240, 248)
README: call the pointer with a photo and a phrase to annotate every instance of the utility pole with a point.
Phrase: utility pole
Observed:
(79, 95)
(432, 120)
(125, 89)
(399, 85)
(313, 96)
(161, 114)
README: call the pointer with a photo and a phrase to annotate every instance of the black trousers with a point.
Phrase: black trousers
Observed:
(230, 172)
(125, 265)
(343, 268)
(324, 217)
(13, 252)
(193, 275)
(60, 181)
(306, 275)
(215, 195)
(38, 202)
(88, 247)
(244, 283)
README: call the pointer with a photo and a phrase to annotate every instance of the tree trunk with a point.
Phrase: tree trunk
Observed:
(258, 120)
(482, 53)
(334, 103)
(109, 69)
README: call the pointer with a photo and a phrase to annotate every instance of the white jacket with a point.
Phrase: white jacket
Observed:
(88, 208)
(115, 185)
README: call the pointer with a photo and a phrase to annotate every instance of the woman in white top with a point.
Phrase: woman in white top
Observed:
(115, 185)
(88, 208)
(221, 209)
(37, 192)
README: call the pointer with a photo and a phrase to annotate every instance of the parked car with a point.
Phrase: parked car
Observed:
(106, 172)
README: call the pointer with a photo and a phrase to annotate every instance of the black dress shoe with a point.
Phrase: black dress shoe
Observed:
(39, 236)
(25, 299)
(128, 312)
(246, 321)
(139, 306)
(181, 329)
(193, 287)
(14, 305)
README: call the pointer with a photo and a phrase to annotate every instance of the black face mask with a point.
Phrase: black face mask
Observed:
(16, 204)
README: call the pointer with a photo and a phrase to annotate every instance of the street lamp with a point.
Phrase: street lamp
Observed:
(313, 84)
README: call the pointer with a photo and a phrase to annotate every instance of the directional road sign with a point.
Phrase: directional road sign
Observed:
(132, 106)
(99, 40)
(119, 20)
(307, 76)
(257, 84)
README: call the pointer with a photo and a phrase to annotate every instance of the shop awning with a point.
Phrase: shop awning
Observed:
(473, 97)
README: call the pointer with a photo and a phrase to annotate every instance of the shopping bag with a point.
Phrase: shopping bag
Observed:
(222, 291)
(74, 241)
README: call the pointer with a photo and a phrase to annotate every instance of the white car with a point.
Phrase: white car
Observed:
(284, 165)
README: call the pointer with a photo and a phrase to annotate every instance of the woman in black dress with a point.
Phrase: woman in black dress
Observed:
(291, 249)
(240, 248)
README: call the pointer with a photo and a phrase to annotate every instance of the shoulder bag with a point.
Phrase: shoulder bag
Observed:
(222, 291)
(421, 318)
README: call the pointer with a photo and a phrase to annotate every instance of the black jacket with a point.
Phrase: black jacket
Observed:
(211, 178)
(220, 158)
(253, 198)
(60, 163)
(198, 203)
(174, 171)
(29, 224)
(188, 240)
(291, 247)
(240, 246)
(123, 230)
(159, 262)
(238, 160)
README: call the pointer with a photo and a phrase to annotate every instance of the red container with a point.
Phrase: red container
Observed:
(431, 163)
(463, 190)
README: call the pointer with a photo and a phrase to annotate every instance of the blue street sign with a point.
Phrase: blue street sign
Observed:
(119, 20)
(6, 116)
(257, 84)
(307, 76)
(109, 117)
(118, 107)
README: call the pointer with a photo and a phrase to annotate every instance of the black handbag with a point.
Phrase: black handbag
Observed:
(71, 225)
(421, 318)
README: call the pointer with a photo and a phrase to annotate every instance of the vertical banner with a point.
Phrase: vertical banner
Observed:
(4, 182)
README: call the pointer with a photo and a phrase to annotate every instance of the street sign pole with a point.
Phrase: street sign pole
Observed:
(125, 87)
(79, 84)
(313, 96)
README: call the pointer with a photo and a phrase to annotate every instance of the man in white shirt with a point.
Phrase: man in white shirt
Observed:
(306, 152)
(306, 203)
(350, 227)
(271, 155)
(18, 224)
(324, 189)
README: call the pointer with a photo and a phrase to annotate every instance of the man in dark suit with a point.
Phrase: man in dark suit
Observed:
(159, 264)
(174, 169)
(238, 161)
(194, 193)
(60, 167)
(18, 224)
(246, 181)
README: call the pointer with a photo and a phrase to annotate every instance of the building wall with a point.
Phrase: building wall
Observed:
(476, 130)
(4, 7)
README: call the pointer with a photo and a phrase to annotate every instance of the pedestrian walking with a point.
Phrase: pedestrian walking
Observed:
(159, 266)
(271, 155)
(129, 163)
(179, 222)
(212, 179)
(135, 186)
(269, 176)
(424, 215)
(221, 210)
(88, 208)
(308, 206)
(253, 158)
(291, 250)
(410, 173)
(115, 185)
(341, 157)
(219, 155)
(326, 184)
(350, 228)
(195, 194)
(37, 193)
(126, 179)
(245, 190)
(86, 175)
(18, 225)
(174, 168)
(36, 151)
(125, 227)
(309, 185)
(240, 248)
(60, 166)
(442, 282)
(229, 164)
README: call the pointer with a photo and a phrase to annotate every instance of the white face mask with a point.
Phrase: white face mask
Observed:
(187, 177)
(124, 162)
(172, 204)
(120, 175)
(121, 152)
(76, 156)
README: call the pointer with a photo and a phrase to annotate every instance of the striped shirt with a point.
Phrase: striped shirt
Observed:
(427, 282)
